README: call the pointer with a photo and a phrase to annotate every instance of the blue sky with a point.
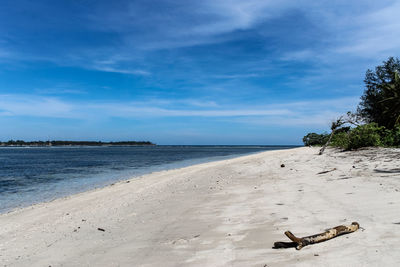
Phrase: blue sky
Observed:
(186, 72)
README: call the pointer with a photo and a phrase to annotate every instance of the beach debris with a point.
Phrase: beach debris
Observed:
(335, 125)
(282, 165)
(345, 178)
(299, 243)
(323, 172)
(101, 229)
(180, 241)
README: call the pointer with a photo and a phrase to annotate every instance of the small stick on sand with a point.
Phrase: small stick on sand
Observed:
(334, 169)
(309, 240)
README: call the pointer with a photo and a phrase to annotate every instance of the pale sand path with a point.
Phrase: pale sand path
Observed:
(225, 213)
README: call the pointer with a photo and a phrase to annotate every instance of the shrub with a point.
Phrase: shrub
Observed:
(314, 139)
(365, 135)
(340, 139)
(396, 136)
(362, 136)
(387, 138)
(391, 137)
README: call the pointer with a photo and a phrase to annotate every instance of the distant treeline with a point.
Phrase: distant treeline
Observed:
(75, 143)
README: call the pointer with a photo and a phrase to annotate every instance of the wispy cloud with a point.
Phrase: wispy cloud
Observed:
(172, 24)
(316, 112)
(132, 31)
(59, 91)
(130, 110)
(320, 120)
(253, 63)
(34, 106)
(363, 30)
(346, 34)
(4, 53)
(235, 15)
(377, 33)
(119, 70)
(62, 89)
(237, 76)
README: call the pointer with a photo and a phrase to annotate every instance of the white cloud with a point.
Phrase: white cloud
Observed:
(62, 89)
(363, 29)
(140, 110)
(320, 119)
(232, 15)
(348, 30)
(315, 112)
(351, 29)
(376, 34)
(28, 105)
(237, 76)
(119, 70)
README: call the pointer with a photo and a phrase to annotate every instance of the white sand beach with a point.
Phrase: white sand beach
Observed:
(225, 213)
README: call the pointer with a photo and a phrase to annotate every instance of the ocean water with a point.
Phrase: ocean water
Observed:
(30, 175)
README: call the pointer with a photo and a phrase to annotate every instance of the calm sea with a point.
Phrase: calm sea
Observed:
(30, 175)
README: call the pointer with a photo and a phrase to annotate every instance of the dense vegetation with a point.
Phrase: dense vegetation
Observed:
(314, 139)
(381, 100)
(370, 134)
(74, 143)
(377, 120)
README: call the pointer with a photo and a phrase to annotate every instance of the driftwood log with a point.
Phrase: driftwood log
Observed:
(299, 243)
(335, 125)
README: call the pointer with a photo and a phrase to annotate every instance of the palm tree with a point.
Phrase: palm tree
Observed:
(391, 101)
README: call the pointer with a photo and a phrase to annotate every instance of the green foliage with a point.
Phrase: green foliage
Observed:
(314, 139)
(381, 100)
(391, 101)
(379, 108)
(340, 139)
(391, 137)
(365, 135)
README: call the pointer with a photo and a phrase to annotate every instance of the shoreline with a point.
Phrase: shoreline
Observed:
(126, 175)
(187, 163)
(152, 145)
(219, 213)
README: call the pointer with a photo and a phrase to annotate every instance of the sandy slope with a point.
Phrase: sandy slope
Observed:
(225, 213)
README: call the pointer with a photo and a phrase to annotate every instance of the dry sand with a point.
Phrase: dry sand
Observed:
(226, 213)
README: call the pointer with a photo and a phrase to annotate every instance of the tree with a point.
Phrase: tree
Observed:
(314, 139)
(391, 101)
(335, 125)
(381, 96)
